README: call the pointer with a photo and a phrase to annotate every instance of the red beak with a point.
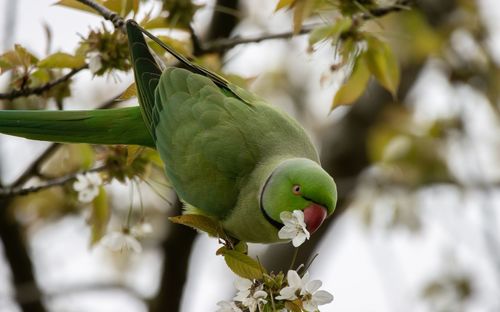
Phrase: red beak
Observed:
(314, 215)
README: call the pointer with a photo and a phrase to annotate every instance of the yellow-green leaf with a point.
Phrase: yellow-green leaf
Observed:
(129, 93)
(291, 306)
(100, 216)
(77, 6)
(199, 222)
(17, 57)
(241, 247)
(62, 60)
(284, 3)
(133, 151)
(156, 22)
(330, 31)
(351, 90)
(242, 265)
(299, 14)
(382, 64)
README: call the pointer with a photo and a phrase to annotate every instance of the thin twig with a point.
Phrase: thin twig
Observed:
(34, 167)
(19, 191)
(382, 11)
(41, 89)
(222, 45)
(114, 17)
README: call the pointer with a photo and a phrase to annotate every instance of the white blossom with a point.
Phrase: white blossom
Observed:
(306, 291)
(294, 227)
(95, 62)
(250, 297)
(141, 229)
(227, 306)
(121, 241)
(87, 186)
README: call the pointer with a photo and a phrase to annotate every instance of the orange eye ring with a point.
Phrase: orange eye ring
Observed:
(296, 189)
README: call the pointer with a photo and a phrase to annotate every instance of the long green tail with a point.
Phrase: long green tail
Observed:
(105, 126)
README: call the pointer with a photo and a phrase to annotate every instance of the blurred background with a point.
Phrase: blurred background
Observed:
(417, 225)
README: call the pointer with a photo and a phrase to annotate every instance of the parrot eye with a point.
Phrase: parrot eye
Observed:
(296, 189)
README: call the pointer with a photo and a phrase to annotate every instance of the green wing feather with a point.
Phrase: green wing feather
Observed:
(146, 72)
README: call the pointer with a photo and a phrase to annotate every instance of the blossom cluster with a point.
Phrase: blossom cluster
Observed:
(275, 293)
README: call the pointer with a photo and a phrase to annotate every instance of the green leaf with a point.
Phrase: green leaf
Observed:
(242, 265)
(330, 31)
(199, 222)
(382, 64)
(241, 247)
(100, 216)
(62, 60)
(355, 85)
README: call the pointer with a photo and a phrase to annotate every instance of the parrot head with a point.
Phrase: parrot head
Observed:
(299, 184)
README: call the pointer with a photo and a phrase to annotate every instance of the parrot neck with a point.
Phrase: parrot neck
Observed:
(244, 223)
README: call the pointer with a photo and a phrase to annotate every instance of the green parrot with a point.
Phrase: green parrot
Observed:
(228, 154)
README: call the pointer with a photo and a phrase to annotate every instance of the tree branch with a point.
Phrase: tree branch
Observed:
(379, 12)
(222, 45)
(41, 89)
(109, 15)
(19, 191)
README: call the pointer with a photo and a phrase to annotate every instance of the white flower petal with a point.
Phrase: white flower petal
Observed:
(287, 293)
(287, 233)
(312, 286)
(133, 244)
(293, 279)
(309, 306)
(299, 239)
(243, 284)
(119, 241)
(259, 294)
(141, 229)
(227, 306)
(242, 295)
(95, 63)
(322, 297)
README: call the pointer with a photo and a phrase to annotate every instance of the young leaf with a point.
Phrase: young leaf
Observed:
(77, 6)
(383, 64)
(242, 265)
(156, 22)
(284, 3)
(241, 247)
(199, 222)
(62, 60)
(133, 151)
(302, 10)
(291, 306)
(329, 31)
(129, 93)
(100, 216)
(355, 85)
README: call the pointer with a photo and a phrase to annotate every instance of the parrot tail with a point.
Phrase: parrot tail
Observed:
(105, 126)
